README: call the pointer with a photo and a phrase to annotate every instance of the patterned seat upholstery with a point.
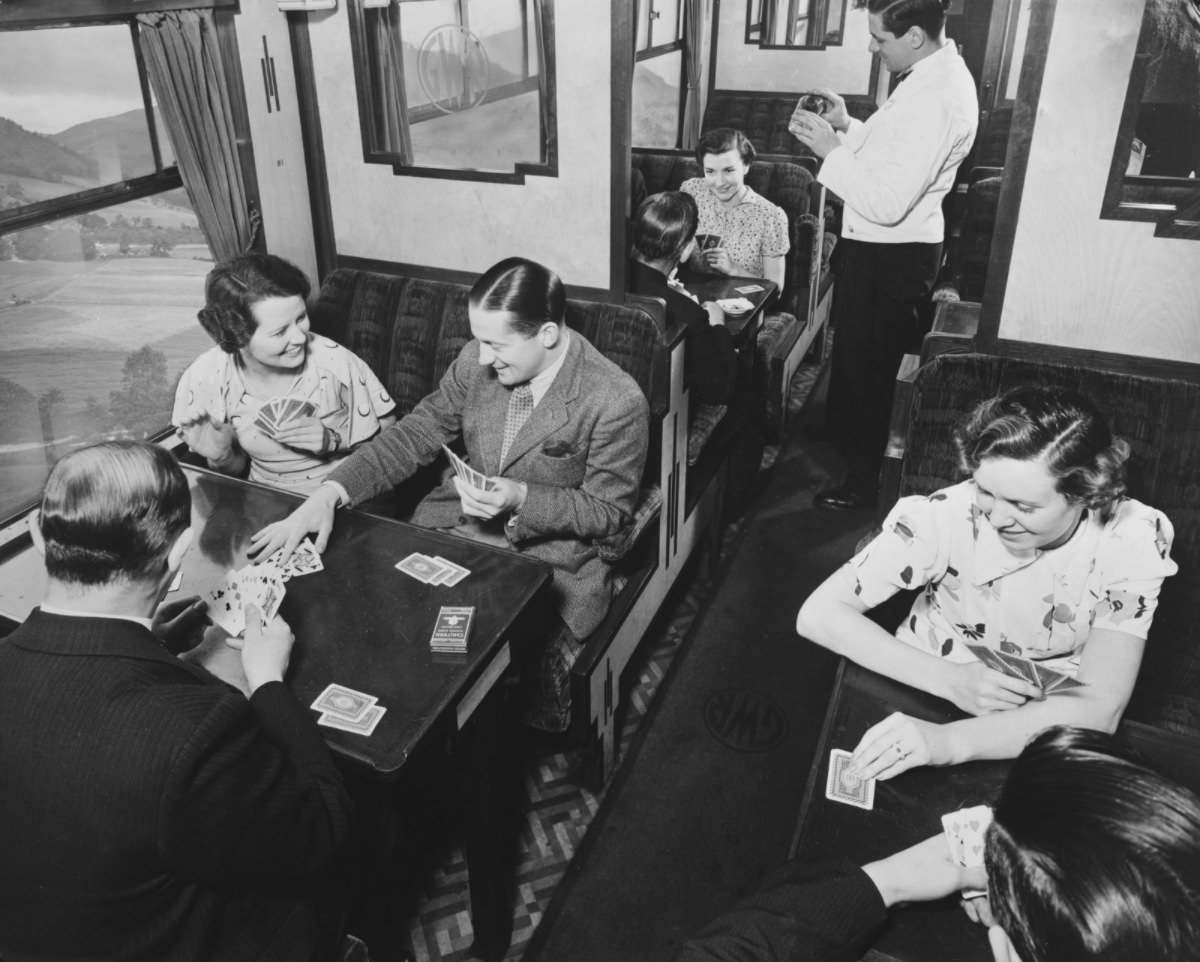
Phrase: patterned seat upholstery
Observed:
(1157, 416)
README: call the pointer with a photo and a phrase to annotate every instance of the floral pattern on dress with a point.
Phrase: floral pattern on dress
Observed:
(1107, 576)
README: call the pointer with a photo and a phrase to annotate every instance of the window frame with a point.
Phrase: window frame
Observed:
(14, 527)
(546, 82)
(650, 52)
(818, 14)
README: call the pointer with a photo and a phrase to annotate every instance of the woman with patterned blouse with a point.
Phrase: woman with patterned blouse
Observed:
(752, 232)
(272, 397)
(1039, 557)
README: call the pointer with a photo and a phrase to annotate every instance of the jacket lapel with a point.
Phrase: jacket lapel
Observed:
(552, 412)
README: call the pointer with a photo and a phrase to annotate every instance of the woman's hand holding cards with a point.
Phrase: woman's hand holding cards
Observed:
(980, 690)
(717, 259)
(314, 516)
(303, 434)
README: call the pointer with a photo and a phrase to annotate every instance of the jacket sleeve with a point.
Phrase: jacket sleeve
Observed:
(415, 439)
(253, 797)
(827, 911)
(603, 504)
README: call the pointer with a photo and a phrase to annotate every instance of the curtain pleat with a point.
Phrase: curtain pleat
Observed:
(693, 40)
(183, 61)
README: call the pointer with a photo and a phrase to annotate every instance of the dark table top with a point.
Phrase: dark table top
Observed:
(714, 287)
(908, 808)
(362, 623)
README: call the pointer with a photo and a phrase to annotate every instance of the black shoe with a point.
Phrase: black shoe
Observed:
(845, 498)
(819, 434)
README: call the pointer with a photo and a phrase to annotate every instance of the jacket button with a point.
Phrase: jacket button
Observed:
(462, 519)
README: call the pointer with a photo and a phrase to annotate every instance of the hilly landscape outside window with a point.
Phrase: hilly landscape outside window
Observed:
(98, 292)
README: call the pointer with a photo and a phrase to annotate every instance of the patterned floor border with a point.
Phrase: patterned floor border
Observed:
(558, 810)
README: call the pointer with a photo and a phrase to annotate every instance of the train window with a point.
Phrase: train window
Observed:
(1153, 176)
(456, 88)
(102, 260)
(658, 73)
(812, 24)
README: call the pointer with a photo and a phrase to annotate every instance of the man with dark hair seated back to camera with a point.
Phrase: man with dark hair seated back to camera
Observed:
(1091, 854)
(559, 431)
(149, 810)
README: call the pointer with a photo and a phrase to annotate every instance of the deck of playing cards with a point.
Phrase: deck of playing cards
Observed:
(1047, 679)
(965, 831)
(258, 585)
(845, 787)
(468, 473)
(276, 412)
(432, 571)
(450, 632)
(348, 710)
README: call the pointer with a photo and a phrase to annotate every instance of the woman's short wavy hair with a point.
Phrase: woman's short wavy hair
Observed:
(1055, 425)
(663, 225)
(1093, 854)
(720, 139)
(233, 288)
(112, 511)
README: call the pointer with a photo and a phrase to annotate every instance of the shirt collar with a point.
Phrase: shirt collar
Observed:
(54, 610)
(539, 384)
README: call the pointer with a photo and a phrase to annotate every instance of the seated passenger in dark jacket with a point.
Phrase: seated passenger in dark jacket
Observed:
(664, 236)
(1091, 854)
(150, 811)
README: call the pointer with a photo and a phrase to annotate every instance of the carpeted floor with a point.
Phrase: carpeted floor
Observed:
(704, 800)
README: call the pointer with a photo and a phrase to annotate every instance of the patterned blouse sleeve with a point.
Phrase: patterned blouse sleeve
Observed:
(199, 388)
(775, 240)
(911, 550)
(1130, 568)
(369, 399)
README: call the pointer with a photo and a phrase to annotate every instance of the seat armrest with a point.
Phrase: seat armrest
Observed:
(955, 327)
(893, 456)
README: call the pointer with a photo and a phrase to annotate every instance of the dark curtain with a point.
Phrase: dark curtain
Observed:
(389, 95)
(183, 61)
(693, 39)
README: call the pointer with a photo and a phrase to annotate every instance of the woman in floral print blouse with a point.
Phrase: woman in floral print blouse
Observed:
(1038, 555)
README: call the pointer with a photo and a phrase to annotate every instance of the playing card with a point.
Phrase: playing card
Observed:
(965, 831)
(421, 567)
(988, 657)
(304, 561)
(1019, 667)
(342, 702)
(474, 478)
(749, 289)
(842, 786)
(176, 581)
(1055, 681)
(363, 726)
(262, 586)
(225, 603)
(451, 630)
(454, 575)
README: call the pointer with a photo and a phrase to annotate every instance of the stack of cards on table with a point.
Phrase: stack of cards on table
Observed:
(432, 571)
(348, 710)
(965, 831)
(258, 585)
(844, 786)
(468, 473)
(450, 632)
(750, 289)
(1047, 679)
(278, 411)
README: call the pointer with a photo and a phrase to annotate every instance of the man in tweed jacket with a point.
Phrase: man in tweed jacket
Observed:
(149, 810)
(570, 476)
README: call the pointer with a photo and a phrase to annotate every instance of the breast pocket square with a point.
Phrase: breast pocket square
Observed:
(558, 449)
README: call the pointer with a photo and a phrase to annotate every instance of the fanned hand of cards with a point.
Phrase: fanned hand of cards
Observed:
(843, 785)
(468, 473)
(258, 585)
(278, 411)
(432, 571)
(348, 710)
(965, 831)
(1047, 679)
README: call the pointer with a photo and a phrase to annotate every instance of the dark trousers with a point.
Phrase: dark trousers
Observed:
(881, 312)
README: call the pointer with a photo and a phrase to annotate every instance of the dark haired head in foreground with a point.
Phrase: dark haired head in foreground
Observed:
(1093, 856)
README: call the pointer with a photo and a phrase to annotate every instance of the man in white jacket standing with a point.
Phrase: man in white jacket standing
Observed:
(892, 173)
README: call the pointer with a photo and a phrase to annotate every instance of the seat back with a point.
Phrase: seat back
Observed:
(1157, 416)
